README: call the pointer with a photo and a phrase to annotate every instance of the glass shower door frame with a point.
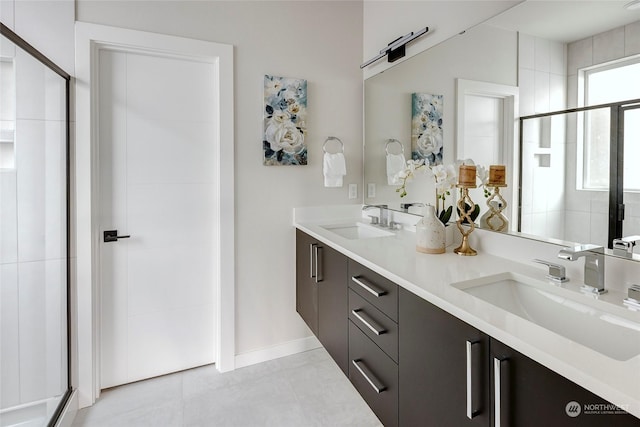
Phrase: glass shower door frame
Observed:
(24, 45)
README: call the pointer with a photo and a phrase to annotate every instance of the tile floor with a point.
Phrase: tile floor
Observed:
(306, 389)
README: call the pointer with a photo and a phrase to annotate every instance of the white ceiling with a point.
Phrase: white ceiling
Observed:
(566, 21)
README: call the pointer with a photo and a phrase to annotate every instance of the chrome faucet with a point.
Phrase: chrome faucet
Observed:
(593, 266)
(383, 218)
(405, 206)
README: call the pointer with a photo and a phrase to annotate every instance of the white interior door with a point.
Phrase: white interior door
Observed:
(157, 141)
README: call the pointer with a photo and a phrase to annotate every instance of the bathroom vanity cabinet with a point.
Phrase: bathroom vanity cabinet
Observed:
(452, 374)
(321, 295)
(416, 364)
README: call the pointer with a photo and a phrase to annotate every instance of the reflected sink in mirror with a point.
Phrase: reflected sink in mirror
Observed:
(357, 230)
(565, 312)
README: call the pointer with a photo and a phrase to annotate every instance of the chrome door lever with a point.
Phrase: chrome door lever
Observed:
(112, 236)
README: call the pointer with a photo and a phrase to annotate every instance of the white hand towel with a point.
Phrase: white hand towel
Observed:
(334, 169)
(395, 163)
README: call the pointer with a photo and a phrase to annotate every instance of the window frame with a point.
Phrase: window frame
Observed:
(582, 172)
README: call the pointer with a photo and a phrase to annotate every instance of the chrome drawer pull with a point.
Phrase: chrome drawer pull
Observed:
(319, 264)
(497, 389)
(312, 247)
(368, 322)
(373, 289)
(470, 411)
(366, 373)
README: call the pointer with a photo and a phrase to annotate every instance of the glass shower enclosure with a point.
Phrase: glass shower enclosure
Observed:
(34, 235)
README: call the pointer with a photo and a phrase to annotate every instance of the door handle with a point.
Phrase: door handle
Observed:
(112, 236)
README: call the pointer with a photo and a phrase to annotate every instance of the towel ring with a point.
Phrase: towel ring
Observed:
(324, 146)
(391, 141)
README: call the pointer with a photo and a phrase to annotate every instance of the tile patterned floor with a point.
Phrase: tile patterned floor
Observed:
(305, 389)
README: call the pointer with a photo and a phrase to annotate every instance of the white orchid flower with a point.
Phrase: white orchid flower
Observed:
(483, 174)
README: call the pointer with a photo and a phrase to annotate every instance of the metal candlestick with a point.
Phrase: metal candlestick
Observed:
(497, 212)
(465, 249)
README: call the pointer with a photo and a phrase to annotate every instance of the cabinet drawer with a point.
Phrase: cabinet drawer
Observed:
(378, 290)
(379, 328)
(374, 375)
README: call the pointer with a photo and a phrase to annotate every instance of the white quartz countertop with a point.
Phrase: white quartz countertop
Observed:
(430, 277)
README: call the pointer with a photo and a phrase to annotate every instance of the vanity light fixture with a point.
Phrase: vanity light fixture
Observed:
(396, 49)
(634, 5)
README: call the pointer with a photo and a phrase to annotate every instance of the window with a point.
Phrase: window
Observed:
(606, 83)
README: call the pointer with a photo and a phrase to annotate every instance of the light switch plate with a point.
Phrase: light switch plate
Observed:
(371, 190)
(353, 191)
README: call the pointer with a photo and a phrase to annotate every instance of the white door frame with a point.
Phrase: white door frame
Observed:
(90, 38)
(511, 149)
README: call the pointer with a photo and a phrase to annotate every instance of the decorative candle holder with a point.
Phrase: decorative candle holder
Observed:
(496, 219)
(465, 249)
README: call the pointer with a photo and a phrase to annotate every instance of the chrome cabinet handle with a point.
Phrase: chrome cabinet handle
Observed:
(318, 254)
(497, 389)
(366, 373)
(312, 273)
(373, 289)
(470, 411)
(368, 321)
(112, 236)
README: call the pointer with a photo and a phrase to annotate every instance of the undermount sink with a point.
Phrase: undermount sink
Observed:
(562, 311)
(357, 230)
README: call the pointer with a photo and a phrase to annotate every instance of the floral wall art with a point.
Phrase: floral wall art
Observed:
(426, 128)
(285, 128)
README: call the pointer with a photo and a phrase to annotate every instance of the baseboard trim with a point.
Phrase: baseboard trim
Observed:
(277, 351)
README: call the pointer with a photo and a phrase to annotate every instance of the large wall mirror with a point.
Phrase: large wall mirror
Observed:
(535, 58)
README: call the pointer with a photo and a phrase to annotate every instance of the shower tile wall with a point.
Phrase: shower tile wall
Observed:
(33, 248)
(542, 82)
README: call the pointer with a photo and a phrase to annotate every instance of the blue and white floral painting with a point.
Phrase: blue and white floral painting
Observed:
(285, 127)
(426, 128)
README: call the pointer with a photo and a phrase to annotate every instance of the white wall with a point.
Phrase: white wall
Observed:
(588, 210)
(385, 21)
(318, 41)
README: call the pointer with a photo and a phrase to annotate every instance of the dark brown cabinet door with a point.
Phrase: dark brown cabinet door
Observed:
(321, 295)
(437, 367)
(527, 394)
(333, 331)
(306, 286)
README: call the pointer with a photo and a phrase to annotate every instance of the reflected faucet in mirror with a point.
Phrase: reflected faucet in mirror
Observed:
(624, 246)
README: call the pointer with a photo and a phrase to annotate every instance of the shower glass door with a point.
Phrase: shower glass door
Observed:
(34, 239)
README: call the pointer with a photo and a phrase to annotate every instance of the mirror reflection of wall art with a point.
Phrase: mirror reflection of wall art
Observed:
(285, 127)
(426, 128)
